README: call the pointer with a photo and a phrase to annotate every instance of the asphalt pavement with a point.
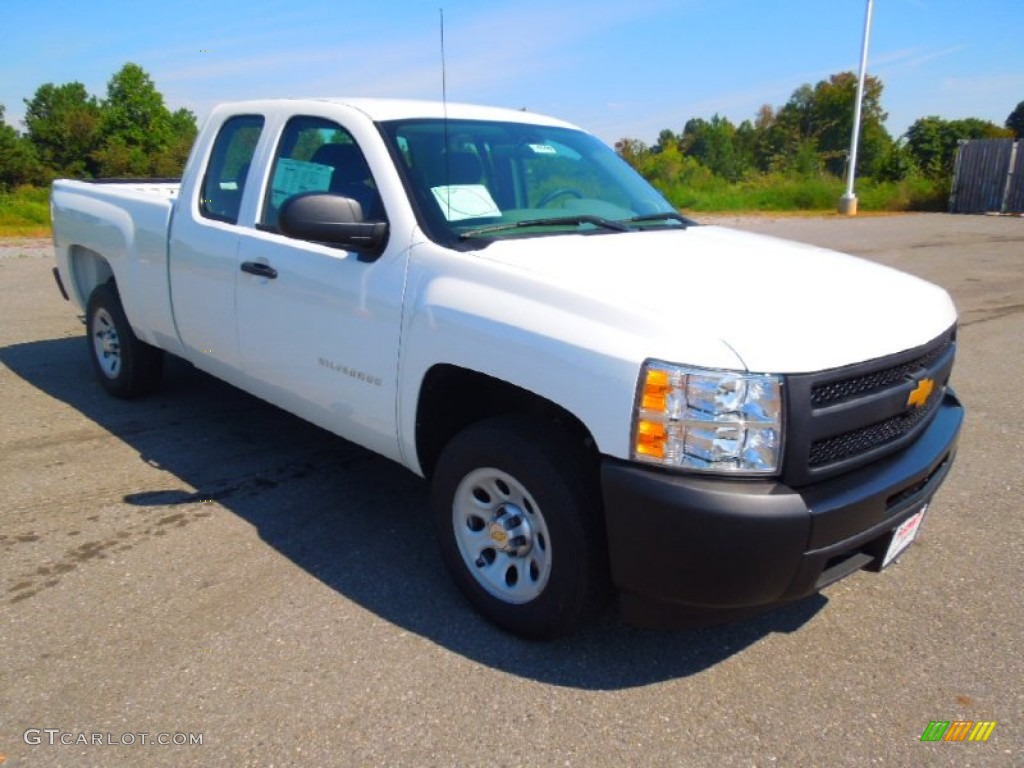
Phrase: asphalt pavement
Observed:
(201, 569)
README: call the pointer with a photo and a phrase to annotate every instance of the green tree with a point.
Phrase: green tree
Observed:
(932, 141)
(139, 135)
(712, 143)
(744, 142)
(134, 109)
(18, 161)
(673, 173)
(896, 164)
(666, 138)
(931, 145)
(822, 117)
(63, 125)
(135, 125)
(1015, 121)
(762, 145)
(172, 160)
(631, 150)
(784, 139)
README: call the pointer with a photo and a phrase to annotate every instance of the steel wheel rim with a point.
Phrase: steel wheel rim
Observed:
(106, 344)
(502, 535)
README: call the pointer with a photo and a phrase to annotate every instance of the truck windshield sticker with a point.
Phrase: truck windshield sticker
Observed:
(465, 201)
(543, 149)
(294, 176)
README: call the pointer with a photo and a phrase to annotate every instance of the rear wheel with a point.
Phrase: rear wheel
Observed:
(125, 366)
(519, 524)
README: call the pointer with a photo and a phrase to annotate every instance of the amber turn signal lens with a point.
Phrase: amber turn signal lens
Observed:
(650, 439)
(656, 389)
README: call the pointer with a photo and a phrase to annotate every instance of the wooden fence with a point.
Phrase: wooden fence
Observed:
(988, 177)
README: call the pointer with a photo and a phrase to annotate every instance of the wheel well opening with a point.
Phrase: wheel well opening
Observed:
(453, 398)
(88, 269)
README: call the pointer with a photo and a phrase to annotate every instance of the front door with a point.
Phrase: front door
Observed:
(318, 328)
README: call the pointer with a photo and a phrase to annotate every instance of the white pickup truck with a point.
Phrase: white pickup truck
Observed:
(603, 394)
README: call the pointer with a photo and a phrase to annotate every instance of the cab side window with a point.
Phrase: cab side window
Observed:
(228, 168)
(317, 155)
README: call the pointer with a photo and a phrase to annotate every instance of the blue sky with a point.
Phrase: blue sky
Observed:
(617, 68)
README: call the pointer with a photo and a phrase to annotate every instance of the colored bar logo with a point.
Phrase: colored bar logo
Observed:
(958, 730)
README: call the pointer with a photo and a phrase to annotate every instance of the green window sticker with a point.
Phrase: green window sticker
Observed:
(294, 176)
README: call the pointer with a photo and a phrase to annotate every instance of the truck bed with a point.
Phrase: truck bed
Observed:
(127, 221)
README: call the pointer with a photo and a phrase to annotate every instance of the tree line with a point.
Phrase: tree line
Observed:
(131, 133)
(808, 137)
(71, 133)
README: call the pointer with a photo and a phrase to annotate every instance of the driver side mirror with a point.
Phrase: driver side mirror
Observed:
(326, 218)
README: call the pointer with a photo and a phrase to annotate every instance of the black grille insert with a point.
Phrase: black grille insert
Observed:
(842, 418)
(837, 390)
(860, 441)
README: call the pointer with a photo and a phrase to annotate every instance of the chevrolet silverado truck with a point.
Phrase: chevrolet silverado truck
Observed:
(606, 397)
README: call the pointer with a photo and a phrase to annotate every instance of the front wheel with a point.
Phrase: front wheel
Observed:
(125, 366)
(519, 525)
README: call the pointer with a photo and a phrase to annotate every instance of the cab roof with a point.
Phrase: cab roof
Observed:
(379, 110)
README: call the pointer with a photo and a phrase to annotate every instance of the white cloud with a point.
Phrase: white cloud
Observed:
(1006, 82)
(910, 58)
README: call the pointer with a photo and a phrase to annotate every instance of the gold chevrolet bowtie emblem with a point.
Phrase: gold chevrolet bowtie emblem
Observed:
(920, 394)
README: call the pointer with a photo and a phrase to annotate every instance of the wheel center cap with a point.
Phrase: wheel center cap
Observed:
(108, 340)
(511, 532)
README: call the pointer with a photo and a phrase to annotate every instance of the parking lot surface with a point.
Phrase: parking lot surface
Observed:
(198, 566)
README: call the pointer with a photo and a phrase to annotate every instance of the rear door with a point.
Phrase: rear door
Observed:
(204, 247)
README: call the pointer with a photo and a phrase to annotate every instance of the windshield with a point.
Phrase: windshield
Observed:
(478, 179)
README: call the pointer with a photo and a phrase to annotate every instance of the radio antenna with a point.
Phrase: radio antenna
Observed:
(444, 103)
(444, 75)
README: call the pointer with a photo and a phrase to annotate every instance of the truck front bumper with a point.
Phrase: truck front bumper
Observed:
(688, 549)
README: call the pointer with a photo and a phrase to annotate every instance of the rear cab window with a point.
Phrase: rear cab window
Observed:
(228, 168)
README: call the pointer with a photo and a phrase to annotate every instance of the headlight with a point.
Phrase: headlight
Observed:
(704, 420)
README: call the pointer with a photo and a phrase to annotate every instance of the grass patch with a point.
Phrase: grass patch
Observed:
(913, 194)
(776, 193)
(25, 212)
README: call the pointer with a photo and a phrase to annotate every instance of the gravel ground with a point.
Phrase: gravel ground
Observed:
(25, 247)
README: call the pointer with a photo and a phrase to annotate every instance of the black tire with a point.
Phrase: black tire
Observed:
(519, 523)
(125, 366)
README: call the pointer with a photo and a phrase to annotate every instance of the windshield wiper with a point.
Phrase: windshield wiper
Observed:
(665, 216)
(557, 221)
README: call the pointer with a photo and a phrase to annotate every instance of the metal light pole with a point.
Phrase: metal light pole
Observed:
(848, 202)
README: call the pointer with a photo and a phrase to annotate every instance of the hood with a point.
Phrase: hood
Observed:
(781, 306)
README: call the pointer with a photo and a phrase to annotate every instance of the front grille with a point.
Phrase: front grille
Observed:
(839, 390)
(858, 441)
(843, 418)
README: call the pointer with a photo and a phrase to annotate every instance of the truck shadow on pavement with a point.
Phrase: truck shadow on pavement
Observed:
(354, 521)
